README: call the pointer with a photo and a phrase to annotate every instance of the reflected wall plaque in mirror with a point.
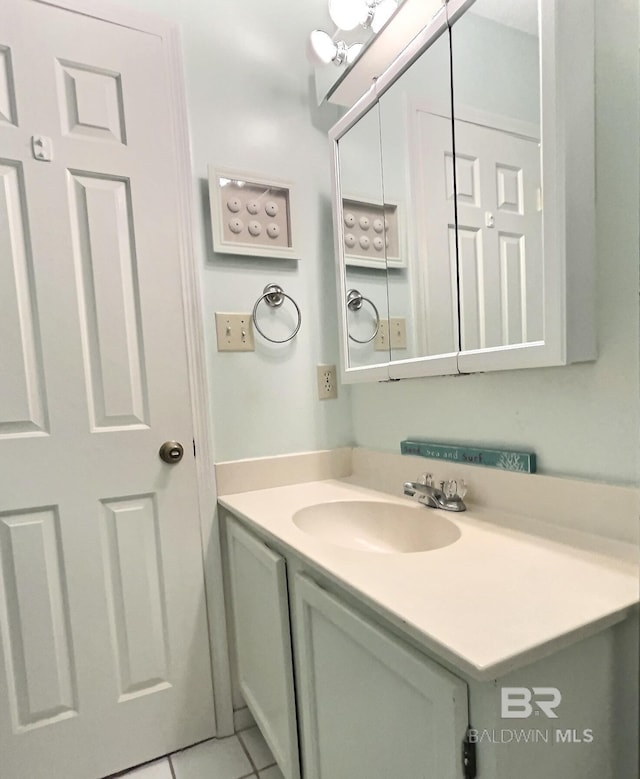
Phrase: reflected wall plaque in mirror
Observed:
(485, 130)
(372, 234)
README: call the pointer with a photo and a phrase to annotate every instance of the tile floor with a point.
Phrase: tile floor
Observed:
(243, 755)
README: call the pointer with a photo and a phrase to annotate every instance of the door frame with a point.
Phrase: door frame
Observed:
(169, 33)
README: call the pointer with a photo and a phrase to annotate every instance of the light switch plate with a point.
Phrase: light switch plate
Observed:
(234, 332)
(398, 332)
(381, 341)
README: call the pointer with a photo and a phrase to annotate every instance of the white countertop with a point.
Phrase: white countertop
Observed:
(495, 600)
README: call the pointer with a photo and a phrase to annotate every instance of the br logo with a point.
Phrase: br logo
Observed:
(522, 702)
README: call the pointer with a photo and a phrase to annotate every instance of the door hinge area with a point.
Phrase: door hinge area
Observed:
(469, 768)
(194, 447)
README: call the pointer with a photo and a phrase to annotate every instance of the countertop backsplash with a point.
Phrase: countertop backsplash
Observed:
(571, 505)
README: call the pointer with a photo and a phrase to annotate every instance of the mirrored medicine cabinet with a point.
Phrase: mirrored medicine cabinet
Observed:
(464, 197)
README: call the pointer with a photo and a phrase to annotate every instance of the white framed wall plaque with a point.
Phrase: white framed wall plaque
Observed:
(251, 215)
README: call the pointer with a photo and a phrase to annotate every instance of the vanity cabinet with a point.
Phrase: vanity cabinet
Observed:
(258, 590)
(370, 700)
(369, 704)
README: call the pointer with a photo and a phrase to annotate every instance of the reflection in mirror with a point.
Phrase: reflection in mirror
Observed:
(361, 216)
(417, 149)
(496, 89)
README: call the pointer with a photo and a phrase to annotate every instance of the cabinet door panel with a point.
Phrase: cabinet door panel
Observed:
(370, 705)
(263, 641)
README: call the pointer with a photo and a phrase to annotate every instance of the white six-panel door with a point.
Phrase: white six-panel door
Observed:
(499, 237)
(104, 658)
(499, 234)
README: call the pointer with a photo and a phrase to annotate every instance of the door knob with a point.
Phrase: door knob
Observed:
(171, 452)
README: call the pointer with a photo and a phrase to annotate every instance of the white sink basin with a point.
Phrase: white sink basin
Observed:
(377, 526)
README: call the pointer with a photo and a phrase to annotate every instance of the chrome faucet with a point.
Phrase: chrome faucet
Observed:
(448, 496)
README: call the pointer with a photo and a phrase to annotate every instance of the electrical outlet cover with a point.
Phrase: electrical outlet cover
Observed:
(327, 379)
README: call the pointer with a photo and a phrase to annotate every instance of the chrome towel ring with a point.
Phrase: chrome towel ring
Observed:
(354, 303)
(274, 296)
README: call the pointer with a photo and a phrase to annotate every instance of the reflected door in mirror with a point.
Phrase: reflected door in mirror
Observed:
(496, 89)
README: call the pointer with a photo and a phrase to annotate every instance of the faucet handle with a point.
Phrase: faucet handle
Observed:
(450, 488)
(426, 479)
(454, 488)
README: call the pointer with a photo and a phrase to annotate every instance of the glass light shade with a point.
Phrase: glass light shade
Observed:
(320, 48)
(384, 11)
(353, 51)
(348, 14)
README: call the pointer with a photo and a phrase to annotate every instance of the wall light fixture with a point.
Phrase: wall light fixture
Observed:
(322, 49)
(348, 15)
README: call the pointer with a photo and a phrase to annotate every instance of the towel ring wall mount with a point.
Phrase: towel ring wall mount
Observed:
(274, 296)
(355, 301)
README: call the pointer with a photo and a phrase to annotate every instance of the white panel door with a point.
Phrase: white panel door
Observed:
(370, 705)
(499, 237)
(499, 289)
(104, 658)
(260, 606)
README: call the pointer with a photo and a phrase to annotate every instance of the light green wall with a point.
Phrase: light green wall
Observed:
(581, 420)
(250, 109)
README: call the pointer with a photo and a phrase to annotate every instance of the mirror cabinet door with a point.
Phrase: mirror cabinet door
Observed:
(417, 172)
(496, 90)
(476, 167)
(362, 243)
